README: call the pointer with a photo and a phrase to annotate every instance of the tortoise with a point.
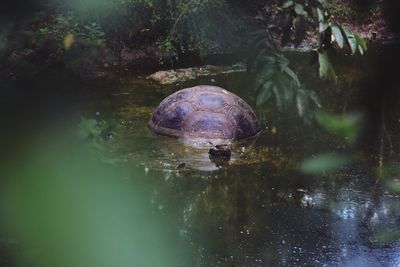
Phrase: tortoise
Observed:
(204, 113)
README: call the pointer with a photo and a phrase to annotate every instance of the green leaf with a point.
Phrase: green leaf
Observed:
(362, 42)
(278, 97)
(393, 185)
(326, 70)
(286, 69)
(265, 94)
(301, 102)
(285, 88)
(257, 58)
(282, 59)
(337, 33)
(262, 60)
(264, 75)
(360, 50)
(314, 97)
(299, 9)
(327, 162)
(323, 26)
(362, 45)
(386, 236)
(267, 59)
(345, 126)
(351, 39)
(287, 4)
(321, 17)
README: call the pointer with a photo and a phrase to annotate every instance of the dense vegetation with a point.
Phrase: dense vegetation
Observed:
(87, 36)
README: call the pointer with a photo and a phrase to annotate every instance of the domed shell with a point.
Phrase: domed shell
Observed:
(209, 112)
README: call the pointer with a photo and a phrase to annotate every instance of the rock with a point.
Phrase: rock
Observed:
(182, 75)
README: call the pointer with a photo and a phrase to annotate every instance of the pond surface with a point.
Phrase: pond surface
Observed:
(257, 209)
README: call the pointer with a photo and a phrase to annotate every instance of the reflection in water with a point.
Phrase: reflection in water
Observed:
(267, 219)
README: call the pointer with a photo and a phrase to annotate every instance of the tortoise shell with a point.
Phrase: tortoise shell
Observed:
(209, 112)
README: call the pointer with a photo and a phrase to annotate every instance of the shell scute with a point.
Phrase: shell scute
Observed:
(173, 118)
(210, 101)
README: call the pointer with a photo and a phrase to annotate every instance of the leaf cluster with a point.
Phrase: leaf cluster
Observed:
(60, 25)
(295, 18)
(203, 26)
(291, 23)
(275, 77)
(333, 34)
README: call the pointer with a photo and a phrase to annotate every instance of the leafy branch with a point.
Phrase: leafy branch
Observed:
(293, 20)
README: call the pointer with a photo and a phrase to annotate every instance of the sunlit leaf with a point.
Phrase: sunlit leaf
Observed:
(299, 9)
(337, 33)
(326, 70)
(287, 4)
(321, 17)
(351, 39)
(361, 42)
(362, 45)
(327, 162)
(323, 26)
(360, 50)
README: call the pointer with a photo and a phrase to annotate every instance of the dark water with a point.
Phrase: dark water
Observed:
(259, 209)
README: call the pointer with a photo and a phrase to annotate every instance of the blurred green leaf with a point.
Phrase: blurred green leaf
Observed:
(68, 209)
(389, 171)
(386, 236)
(393, 184)
(327, 162)
(346, 126)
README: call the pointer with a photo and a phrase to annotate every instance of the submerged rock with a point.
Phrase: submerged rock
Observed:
(182, 75)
